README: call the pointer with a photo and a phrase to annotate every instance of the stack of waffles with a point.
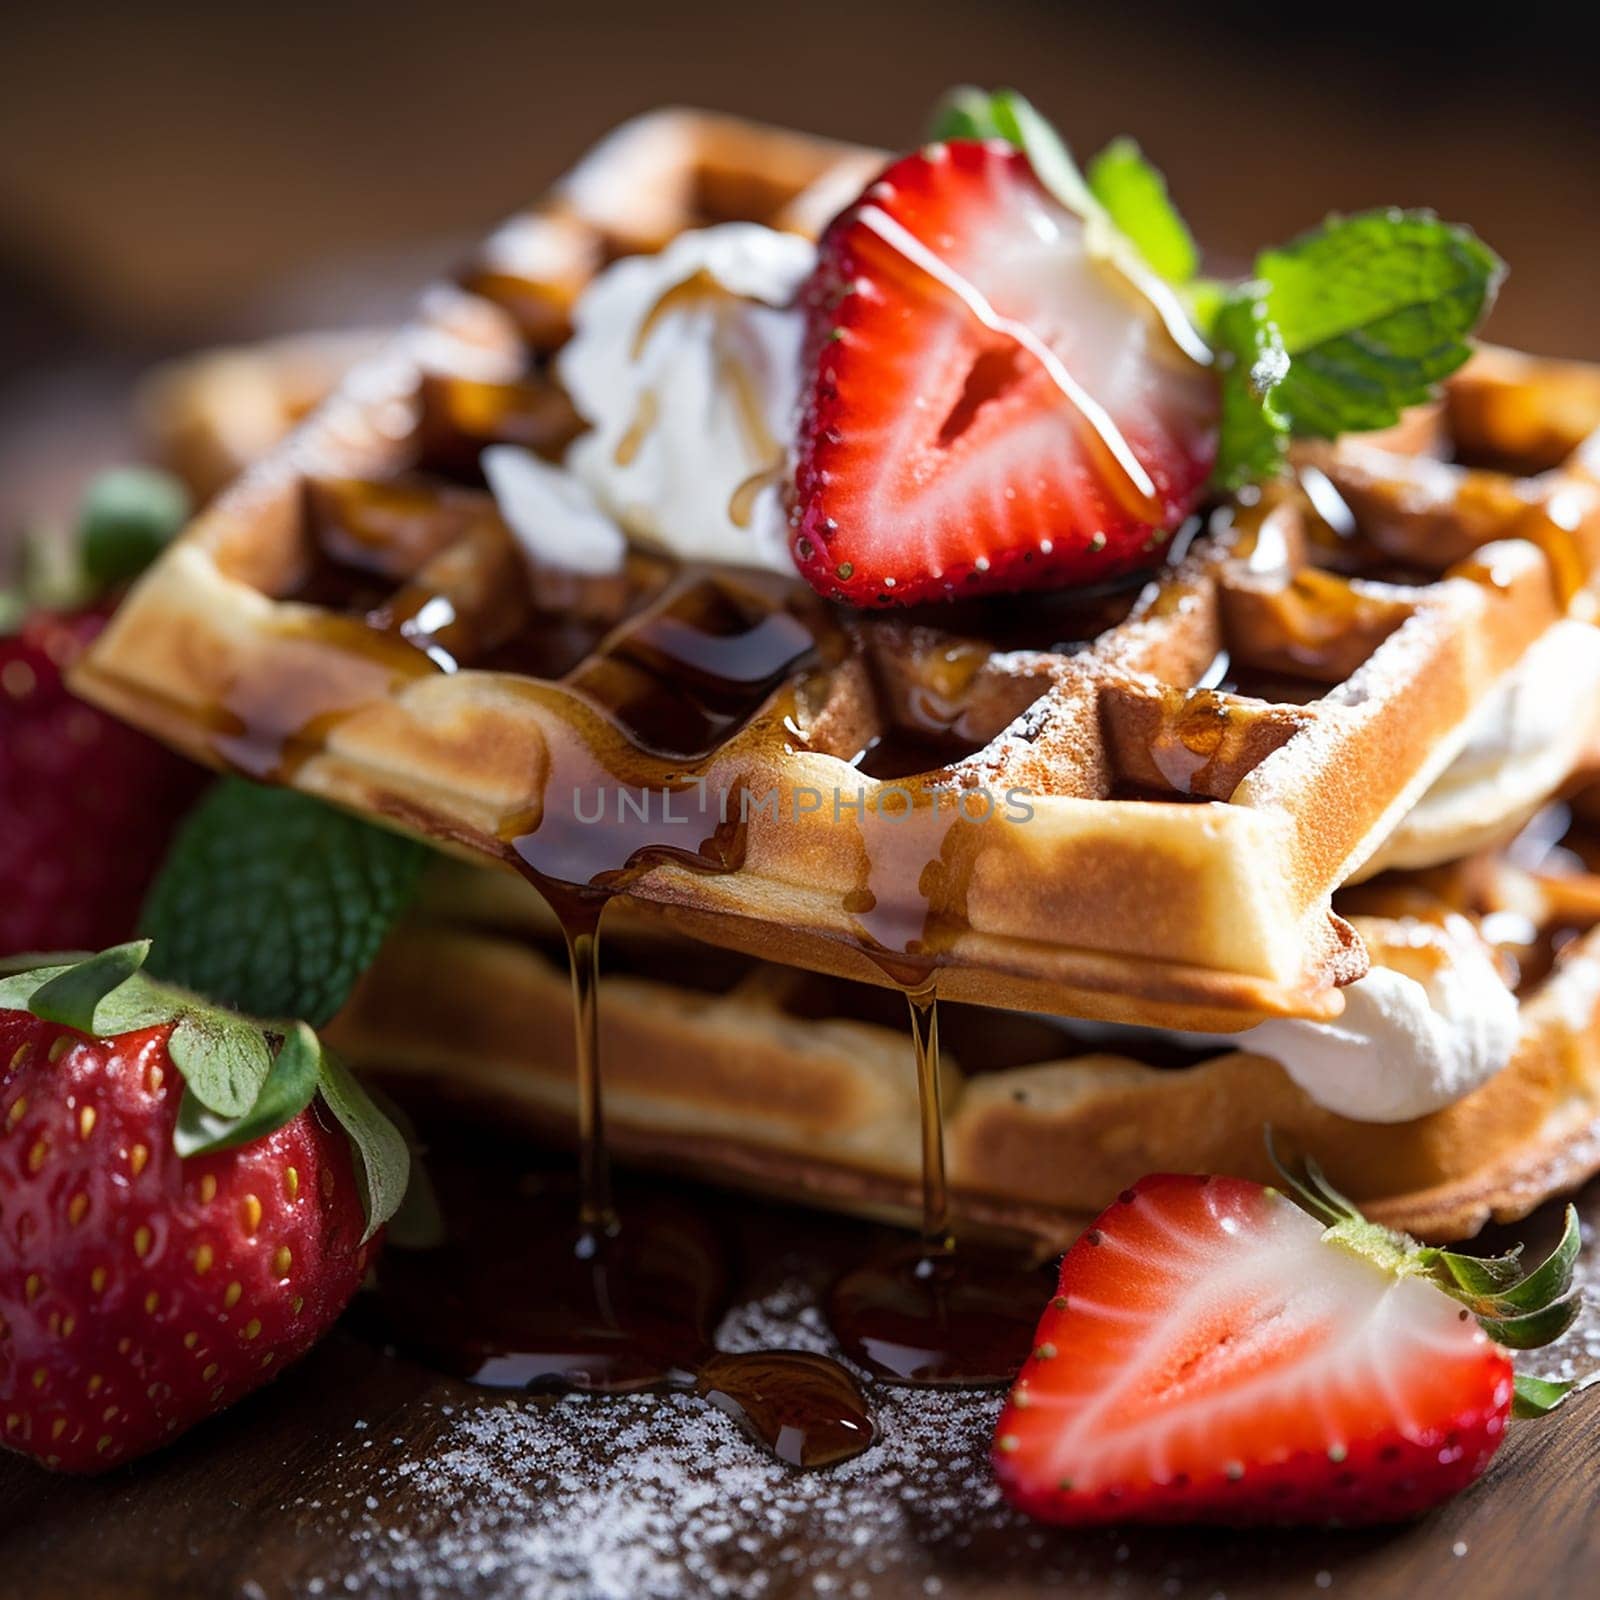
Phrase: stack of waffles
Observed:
(1116, 826)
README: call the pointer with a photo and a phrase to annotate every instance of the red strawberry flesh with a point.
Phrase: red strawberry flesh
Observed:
(1210, 1357)
(990, 405)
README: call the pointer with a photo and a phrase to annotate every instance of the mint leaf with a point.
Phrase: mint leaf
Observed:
(275, 903)
(1373, 310)
(1252, 366)
(383, 1161)
(1135, 197)
(127, 518)
(286, 1092)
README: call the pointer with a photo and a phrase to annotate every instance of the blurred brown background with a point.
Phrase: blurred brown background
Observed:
(176, 173)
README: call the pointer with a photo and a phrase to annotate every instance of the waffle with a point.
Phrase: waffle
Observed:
(798, 1085)
(1205, 756)
(207, 417)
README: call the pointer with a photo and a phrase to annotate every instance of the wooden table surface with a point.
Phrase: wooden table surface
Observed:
(362, 1472)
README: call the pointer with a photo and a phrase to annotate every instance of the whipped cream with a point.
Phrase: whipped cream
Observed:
(551, 514)
(686, 365)
(1532, 731)
(1533, 705)
(1408, 1041)
(1415, 1035)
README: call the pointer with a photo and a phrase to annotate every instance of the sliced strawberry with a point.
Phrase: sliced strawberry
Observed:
(1214, 1353)
(989, 405)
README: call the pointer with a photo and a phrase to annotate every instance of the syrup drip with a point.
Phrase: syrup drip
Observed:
(580, 1294)
(923, 1004)
(933, 1313)
(742, 502)
(735, 379)
(807, 1410)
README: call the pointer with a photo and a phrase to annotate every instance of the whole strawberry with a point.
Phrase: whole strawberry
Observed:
(87, 805)
(184, 1209)
(1216, 1353)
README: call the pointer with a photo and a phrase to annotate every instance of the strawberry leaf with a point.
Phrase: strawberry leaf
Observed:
(1528, 1330)
(275, 903)
(1134, 194)
(100, 995)
(26, 979)
(1537, 1397)
(1552, 1278)
(1481, 1275)
(223, 1058)
(965, 112)
(287, 1090)
(71, 996)
(383, 1161)
(138, 1003)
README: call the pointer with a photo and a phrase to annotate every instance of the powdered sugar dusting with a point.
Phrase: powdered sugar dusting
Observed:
(663, 1498)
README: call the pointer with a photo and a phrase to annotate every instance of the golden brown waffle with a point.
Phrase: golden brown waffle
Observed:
(208, 416)
(798, 1085)
(1205, 758)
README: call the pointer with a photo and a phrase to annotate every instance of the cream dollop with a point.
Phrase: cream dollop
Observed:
(1408, 1042)
(1429, 1023)
(686, 365)
(1533, 731)
(551, 514)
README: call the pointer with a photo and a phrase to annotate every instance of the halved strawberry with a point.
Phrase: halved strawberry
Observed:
(1215, 1353)
(990, 403)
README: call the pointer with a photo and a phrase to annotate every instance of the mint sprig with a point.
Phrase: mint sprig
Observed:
(1134, 194)
(1374, 311)
(276, 903)
(1338, 331)
(242, 1078)
(128, 516)
(1252, 365)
